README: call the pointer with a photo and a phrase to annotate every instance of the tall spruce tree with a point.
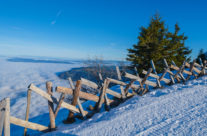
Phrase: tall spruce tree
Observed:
(156, 43)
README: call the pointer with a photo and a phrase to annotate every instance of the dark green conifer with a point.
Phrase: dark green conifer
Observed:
(156, 43)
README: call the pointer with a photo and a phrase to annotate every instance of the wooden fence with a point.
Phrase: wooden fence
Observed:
(194, 70)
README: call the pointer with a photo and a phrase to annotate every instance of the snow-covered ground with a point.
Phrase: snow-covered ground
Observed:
(175, 110)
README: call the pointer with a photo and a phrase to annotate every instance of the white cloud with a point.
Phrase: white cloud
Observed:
(56, 17)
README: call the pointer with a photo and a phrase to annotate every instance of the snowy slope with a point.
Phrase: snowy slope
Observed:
(176, 110)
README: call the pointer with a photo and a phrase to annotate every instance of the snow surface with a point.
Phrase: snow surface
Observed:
(175, 110)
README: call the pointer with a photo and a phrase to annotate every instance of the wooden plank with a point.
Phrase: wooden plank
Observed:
(168, 70)
(137, 74)
(30, 125)
(143, 82)
(146, 76)
(121, 87)
(163, 75)
(2, 114)
(83, 95)
(198, 65)
(116, 81)
(122, 83)
(28, 108)
(191, 69)
(130, 76)
(52, 99)
(115, 94)
(71, 83)
(101, 97)
(6, 118)
(126, 90)
(50, 105)
(89, 83)
(180, 71)
(123, 95)
(154, 70)
(157, 77)
(75, 98)
(194, 68)
(62, 97)
(107, 107)
(118, 72)
(78, 101)
(133, 86)
(101, 84)
(177, 68)
(100, 77)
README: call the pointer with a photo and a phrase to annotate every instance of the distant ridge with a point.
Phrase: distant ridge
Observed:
(30, 60)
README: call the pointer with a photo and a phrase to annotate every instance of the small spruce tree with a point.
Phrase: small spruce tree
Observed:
(156, 43)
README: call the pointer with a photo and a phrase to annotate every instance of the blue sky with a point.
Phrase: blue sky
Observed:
(86, 28)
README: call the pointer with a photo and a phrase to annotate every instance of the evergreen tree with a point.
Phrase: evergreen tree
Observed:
(156, 43)
(175, 49)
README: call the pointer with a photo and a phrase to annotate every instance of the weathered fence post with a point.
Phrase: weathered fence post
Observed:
(163, 74)
(28, 107)
(75, 100)
(5, 116)
(78, 99)
(137, 74)
(107, 106)
(143, 82)
(180, 70)
(50, 105)
(126, 90)
(154, 70)
(2, 114)
(191, 69)
(119, 78)
(167, 67)
(102, 95)
(62, 97)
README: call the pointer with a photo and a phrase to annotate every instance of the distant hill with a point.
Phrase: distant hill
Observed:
(77, 73)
